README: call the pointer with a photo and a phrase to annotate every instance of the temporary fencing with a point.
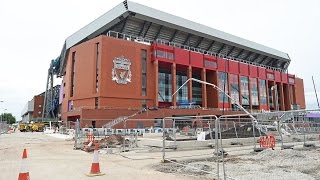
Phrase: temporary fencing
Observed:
(4, 127)
(185, 140)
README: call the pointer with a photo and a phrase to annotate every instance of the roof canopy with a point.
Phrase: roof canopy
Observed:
(138, 20)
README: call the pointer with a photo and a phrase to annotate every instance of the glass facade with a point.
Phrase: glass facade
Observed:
(182, 94)
(254, 92)
(271, 97)
(263, 92)
(234, 87)
(223, 85)
(197, 91)
(144, 72)
(164, 54)
(165, 86)
(244, 90)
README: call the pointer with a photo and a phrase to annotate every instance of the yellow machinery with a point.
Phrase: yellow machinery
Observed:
(24, 127)
(27, 127)
(38, 127)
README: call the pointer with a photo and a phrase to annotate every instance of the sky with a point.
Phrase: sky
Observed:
(33, 32)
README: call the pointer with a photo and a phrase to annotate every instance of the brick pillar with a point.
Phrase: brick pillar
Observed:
(267, 90)
(259, 99)
(274, 96)
(190, 84)
(204, 88)
(250, 98)
(174, 83)
(282, 105)
(156, 72)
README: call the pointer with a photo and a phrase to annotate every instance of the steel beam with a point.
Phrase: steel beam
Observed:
(124, 24)
(143, 25)
(158, 33)
(238, 55)
(248, 55)
(256, 57)
(210, 46)
(230, 51)
(145, 33)
(262, 60)
(221, 48)
(187, 39)
(173, 35)
(198, 42)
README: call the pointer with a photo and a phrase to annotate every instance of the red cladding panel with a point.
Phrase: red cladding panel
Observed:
(264, 107)
(262, 73)
(269, 71)
(162, 46)
(233, 67)
(181, 56)
(253, 70)
(222, 65)
(196, 59)
(211, 58)
(226, 105)
(244, 69)
(284, 77)
(277, 76)
(291, 79)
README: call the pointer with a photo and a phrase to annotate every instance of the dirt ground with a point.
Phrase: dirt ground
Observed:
(53, 158)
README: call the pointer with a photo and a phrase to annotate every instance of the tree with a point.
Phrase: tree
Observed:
(8, 117)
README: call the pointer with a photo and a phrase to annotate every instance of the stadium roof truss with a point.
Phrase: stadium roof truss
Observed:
(144, 22)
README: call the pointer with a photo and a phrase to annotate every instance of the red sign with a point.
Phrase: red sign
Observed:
(267, 141)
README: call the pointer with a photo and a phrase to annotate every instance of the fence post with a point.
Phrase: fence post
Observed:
(235, 130)
(76, 136)
(279, 131)
(163, 140)
(254, 134)
(217, 144)
(174, 133)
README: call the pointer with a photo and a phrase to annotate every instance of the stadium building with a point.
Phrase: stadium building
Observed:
(135, 57)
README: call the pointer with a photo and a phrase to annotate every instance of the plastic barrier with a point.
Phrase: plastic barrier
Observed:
(90, 137)
(268, 141)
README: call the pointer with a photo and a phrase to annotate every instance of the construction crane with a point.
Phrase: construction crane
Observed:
(51, 98)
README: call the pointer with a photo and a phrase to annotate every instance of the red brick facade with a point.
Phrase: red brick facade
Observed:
(97, 97)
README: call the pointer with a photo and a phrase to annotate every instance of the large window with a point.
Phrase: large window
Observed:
(263, 92)
(254, 92)
(182, 94)
(165, 86)
(223, 85)
(210, 64)
(72, 73)
(234, 87)
(164, 54)
(97, 66)
(244, 90)
(144, 71)
(197, 91)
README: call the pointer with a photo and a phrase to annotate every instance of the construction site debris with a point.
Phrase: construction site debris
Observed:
(243, 131)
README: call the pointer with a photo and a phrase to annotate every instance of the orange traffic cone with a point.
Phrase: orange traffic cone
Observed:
(24, 172)
(95, 167)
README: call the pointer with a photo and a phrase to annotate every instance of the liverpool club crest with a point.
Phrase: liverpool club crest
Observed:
(121, 70)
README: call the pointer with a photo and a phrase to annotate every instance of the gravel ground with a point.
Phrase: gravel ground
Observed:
(52, 157)
(269, 164)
